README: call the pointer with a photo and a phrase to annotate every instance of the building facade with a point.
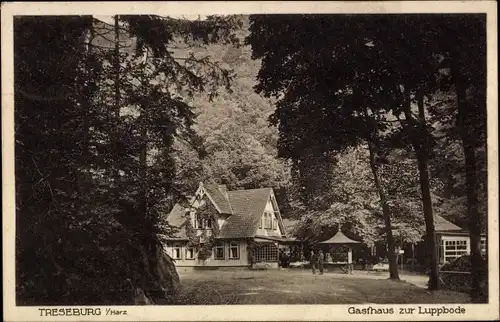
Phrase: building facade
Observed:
(221, 228)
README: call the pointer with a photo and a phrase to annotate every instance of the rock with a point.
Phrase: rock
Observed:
(162, 286)
(141, 298)
(169, 278)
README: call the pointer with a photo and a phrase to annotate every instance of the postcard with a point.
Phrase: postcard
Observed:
(250, 161)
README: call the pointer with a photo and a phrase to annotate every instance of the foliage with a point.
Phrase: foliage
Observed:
(357, 86)
(339, 100)
(353, 201)
(206, 241)
(95, 123)
(457, 282)
(239, 146)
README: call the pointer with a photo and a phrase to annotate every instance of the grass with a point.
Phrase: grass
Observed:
(220, 287)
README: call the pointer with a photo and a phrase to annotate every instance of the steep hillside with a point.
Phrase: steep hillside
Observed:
(239, 145)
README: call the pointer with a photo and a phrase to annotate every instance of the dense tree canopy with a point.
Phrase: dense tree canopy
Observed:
(343, 79)
(98, 106)
(239, 146)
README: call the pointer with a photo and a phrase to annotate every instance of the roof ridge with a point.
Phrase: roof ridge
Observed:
(253, 189)
(217, 197)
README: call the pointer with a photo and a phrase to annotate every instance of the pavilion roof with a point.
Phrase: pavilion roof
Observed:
(340, 238)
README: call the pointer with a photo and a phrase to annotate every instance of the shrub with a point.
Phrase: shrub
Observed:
(460, 281)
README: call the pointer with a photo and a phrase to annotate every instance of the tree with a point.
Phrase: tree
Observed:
(354, 200)
(462, 42)
(87, 110)
(47, 136)
(239, 146)
(471, 124)
(435, 47)
(325, 110)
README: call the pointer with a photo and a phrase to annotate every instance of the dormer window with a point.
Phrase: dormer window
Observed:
(203, 223)
(268, 221)
(199, 221)
(208, 223)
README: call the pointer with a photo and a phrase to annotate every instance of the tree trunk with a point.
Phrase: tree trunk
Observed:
(149, 232)
(84, 97)
(143, 167)
(117, 95)
(467, 135)
(117, 66)
(393, 267)
(429, 220)
(420, 147)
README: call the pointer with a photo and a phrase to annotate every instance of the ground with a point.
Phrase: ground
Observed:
(301, 287)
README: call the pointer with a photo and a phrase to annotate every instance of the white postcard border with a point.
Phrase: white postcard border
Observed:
(242, 312)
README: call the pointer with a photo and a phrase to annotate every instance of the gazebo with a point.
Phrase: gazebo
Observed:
(340, 239)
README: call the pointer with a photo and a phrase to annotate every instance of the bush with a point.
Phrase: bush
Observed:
(460, 281)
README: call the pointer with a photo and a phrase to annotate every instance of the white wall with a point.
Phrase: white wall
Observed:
(456, 238)
(265, 232)
(183, 262)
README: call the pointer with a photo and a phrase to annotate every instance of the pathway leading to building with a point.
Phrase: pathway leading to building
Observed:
(302, 287)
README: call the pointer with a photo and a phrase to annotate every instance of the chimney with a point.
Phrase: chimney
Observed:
(223, 189)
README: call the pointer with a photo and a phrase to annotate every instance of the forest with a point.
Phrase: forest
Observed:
(377, 123)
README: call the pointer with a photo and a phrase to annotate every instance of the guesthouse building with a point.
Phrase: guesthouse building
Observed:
(222, 228)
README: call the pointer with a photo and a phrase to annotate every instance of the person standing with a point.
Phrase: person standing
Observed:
(281, 258)
(349, 261)
(286, 260)
(321, 259)
(313, 259)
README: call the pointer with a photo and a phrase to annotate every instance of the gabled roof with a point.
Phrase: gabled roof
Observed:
(443, 225)
(249, 201)
(248, 207)
(245, 209)
(218, 194)
(240, 226)
(177, 218)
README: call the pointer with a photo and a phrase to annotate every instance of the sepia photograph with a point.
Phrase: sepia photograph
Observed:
(203, 159)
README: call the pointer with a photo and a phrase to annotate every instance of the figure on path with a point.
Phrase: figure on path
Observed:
(314, 261)
(281, 259)
(321, 259)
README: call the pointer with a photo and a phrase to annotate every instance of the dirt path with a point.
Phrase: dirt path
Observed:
(302, 287)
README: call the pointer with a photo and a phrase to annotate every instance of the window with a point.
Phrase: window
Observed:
(219, 251)
(454, 249)
(234, 250)
(275, 223)
(483, 245)
(176, 252)
(189, 253)
(199, 221)
(267, 221)
(202, 223)
(266, 253)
